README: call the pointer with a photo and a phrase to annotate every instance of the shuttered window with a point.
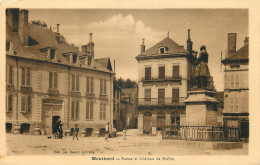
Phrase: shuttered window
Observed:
(102, 111)
(9, 103)
(26, 104)
(103, 87)
(161, 72)
(26, 77)
(175, 71)
(75, 109)
(148, 73)
(92, 85)
(161, 96)
(10, 75)
(23, 76)
(147, 94)
(77, 83)
(88, 85)
(53, 80)
(175, 95)
(89, 110)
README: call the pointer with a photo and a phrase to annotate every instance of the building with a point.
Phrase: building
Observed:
(48, 79)
(236, 90)
(165, 76)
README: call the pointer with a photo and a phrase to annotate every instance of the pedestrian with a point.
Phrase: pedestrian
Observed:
(60, 129)
(76, 131)
(107, 131)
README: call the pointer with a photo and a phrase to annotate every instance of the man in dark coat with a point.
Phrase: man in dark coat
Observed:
(76, 132)
(202, 70)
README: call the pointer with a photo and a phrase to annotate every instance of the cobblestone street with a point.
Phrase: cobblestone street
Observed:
(133, 145)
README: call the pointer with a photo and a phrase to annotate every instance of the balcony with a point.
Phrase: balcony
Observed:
(75, 94)
(90, 95)
(9, 87)
(25, 89)
(162, 79)
(169, 101)
(53, 92)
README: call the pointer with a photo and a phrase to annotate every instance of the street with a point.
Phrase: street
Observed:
(92, 146)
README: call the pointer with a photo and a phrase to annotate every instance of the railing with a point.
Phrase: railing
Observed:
(201, 133)
(25, 89)
(164, 101)
(165, 78)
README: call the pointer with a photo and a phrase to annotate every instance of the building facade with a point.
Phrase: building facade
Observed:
(236, 89)
(48, 79)
(165, 74)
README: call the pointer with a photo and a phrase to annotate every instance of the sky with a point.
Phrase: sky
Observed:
(118, 33)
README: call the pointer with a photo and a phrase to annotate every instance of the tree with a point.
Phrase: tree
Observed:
(121, 83)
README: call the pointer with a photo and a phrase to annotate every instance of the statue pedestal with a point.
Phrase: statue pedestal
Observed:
(201, 108)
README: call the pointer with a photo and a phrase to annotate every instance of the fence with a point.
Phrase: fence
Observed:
(201, 133)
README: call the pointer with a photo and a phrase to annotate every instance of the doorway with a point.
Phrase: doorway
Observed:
(55, 120)
(147, 122)
(161, 96)
(244, 129)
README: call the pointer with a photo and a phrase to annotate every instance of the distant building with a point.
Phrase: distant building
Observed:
(48, 79)
(220, 106)
(236, 90)
(165, 75)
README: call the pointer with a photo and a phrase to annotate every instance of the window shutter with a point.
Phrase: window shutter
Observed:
(23, 104)
(237, 81)
(10, 103)
(77, 109)
(10, 74)
(50, 79)
(77, 83)
(28, 76)
(101, 86)
(92, 85)
(227, 81)
(87, 110)
(72, 109)
(105, 87)
(104, 111)
(23, 76)
(73, 82)
(175, 95)
(100, 114)
(91, 110)
(161, 72)
(87, 84)
(147, 73)
(175, 71)
(28, 104)
(55, 80)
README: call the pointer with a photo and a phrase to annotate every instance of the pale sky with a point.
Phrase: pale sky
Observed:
(118, 32)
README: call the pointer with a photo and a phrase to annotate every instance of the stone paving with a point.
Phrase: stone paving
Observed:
(133, 145)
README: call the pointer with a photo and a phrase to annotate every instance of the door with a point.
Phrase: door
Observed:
(160, 120)
(161, 96)
(244, 129)
(147, 122)
(55, 120)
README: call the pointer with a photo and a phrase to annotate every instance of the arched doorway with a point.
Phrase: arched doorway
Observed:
(147, 122)
(175, 117)
(160, 120)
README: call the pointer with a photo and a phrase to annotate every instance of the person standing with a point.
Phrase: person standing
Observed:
(107, 131)
(76, 132)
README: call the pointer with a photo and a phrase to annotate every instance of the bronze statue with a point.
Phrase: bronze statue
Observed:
(202, 70)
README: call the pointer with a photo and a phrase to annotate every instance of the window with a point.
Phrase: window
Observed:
(234, 66)
(52, 54)
(233, 102)
(161, 72)
(161, 96)
(9, 103)
(175, 95)
(75, 109)
(89, 110)
(74, 58)
(102, 111)
(147, 94)
(161, 50)
(26, 104)
(8, 44)
(9, 75)
(26, 76)
(234, 81)
(90, 85)
(75, 82)
(148, 73)
(176, 71)
(53, 80)
(103, 87)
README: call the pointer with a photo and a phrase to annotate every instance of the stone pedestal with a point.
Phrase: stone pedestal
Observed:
(201, 108)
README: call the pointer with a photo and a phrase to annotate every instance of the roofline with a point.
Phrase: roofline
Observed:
(228, 61)
(144, 57)
(71, 66)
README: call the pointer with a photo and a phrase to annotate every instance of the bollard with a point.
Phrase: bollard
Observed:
(124, 134)
(83, 132)
(16, 129)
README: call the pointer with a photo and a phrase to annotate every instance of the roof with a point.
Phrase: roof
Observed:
(173, 49)
(240, 55)
(47, 38)
(105, 62)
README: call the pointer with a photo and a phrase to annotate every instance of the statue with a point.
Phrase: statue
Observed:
(202, 70)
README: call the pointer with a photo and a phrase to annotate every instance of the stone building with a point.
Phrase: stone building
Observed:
(236, 90)
(165, 75)
(48, 79)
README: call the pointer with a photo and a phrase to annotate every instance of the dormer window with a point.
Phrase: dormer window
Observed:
(52, 54)
(9, 48)
(75, 58)
(163, 50)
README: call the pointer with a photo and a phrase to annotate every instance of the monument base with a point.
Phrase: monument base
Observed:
(201, 108)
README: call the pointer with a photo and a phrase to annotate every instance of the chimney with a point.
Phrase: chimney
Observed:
(189, 43)
(142, 46)
(246, 41)
(84, 49)
(90, 51)
(58, 26)
(12, 17)
(232, 38)
(23, 26)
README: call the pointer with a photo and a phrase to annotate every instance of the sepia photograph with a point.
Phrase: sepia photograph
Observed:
(115, 84)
